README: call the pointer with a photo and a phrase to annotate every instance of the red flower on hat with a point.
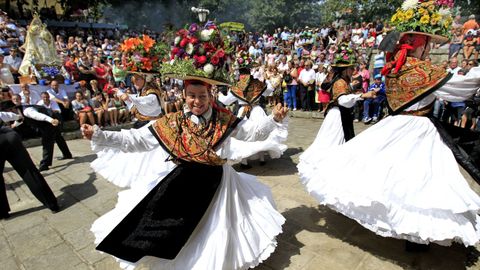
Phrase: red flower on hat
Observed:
(193, 40)
(202, 59)
(182, 32)
(220, 53)
(215, 60)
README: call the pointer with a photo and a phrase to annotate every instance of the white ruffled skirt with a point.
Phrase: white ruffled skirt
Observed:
(397, 179)
(272, 145)
(238, 229)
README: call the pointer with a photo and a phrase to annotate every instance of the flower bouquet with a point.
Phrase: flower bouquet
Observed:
(50, 71)
(199, 51)
(433, 17)
(144, 53)
(344, 56)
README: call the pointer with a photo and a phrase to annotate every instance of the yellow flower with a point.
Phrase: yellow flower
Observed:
(425, 19)
(409, 14)
(433, 21)
(425, 4)
(436, 16)
(400, 16)
(394, 18)
(431, 8)
(422, 11)
(447, 22)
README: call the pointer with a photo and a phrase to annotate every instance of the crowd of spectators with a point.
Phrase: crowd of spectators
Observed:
(293, 62)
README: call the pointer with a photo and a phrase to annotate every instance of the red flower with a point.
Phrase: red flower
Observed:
(220, 53)
(215, 60)
(175, 50)
(182, 32)
(194, 40)
(184, 42)
(202, 59)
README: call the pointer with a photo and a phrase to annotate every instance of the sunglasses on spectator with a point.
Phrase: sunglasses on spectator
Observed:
(470, 64)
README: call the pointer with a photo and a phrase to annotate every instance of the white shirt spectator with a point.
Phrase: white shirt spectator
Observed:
(33, 98)
(284, 35)
(52, 106)
(282, 68)
(62, 94)
(9, 116)
(13, 61)
(379, 60)
(307, 76)
(324, 32)
(6, 75)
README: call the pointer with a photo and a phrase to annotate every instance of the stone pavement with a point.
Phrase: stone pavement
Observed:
(314, 237)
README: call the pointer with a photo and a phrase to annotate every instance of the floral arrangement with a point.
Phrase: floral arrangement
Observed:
(344, 56)
(144, 53)
(200, 51)
(244, 61)
(50, 71)
(433, 17)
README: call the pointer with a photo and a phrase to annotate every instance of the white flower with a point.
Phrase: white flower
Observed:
(408, 4)
(189, 48)
(205, 34)
(208, 68)
(177, 40)
(444, 12)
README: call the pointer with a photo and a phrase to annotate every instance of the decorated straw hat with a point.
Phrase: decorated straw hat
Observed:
(199, 53)
(429, 18)
(244, 63)
(344, 57)
(408, 77)
(246, 88)
(144, 54)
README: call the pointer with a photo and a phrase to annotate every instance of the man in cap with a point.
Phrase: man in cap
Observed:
(379, 88)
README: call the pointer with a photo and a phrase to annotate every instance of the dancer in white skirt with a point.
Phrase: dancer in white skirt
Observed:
(400, 177)
(247, 91)
(196, 212)
(337, 127)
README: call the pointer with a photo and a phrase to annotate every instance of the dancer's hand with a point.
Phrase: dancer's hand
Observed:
(369, 94)
(87, 131)
(124, 97)
(55, 122)
(279, 112)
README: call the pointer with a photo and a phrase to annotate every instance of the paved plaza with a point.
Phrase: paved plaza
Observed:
(314, 237)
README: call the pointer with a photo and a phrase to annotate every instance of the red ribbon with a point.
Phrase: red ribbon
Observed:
(401, 57)
(408, 43)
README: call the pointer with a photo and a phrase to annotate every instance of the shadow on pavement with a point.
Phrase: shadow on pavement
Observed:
(297, 219)
(437, 257)
(77, 192)
(75, 160)
(25, 212)
(285, 165)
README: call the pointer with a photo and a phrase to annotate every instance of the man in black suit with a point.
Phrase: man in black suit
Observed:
(42, 119)
(15, 153)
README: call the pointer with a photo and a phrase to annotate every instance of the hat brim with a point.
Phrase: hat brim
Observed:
(434, 38)
(342, 65)
(196, 78)
(141, 73)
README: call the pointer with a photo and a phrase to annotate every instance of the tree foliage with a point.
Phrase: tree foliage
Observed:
(255, 14)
